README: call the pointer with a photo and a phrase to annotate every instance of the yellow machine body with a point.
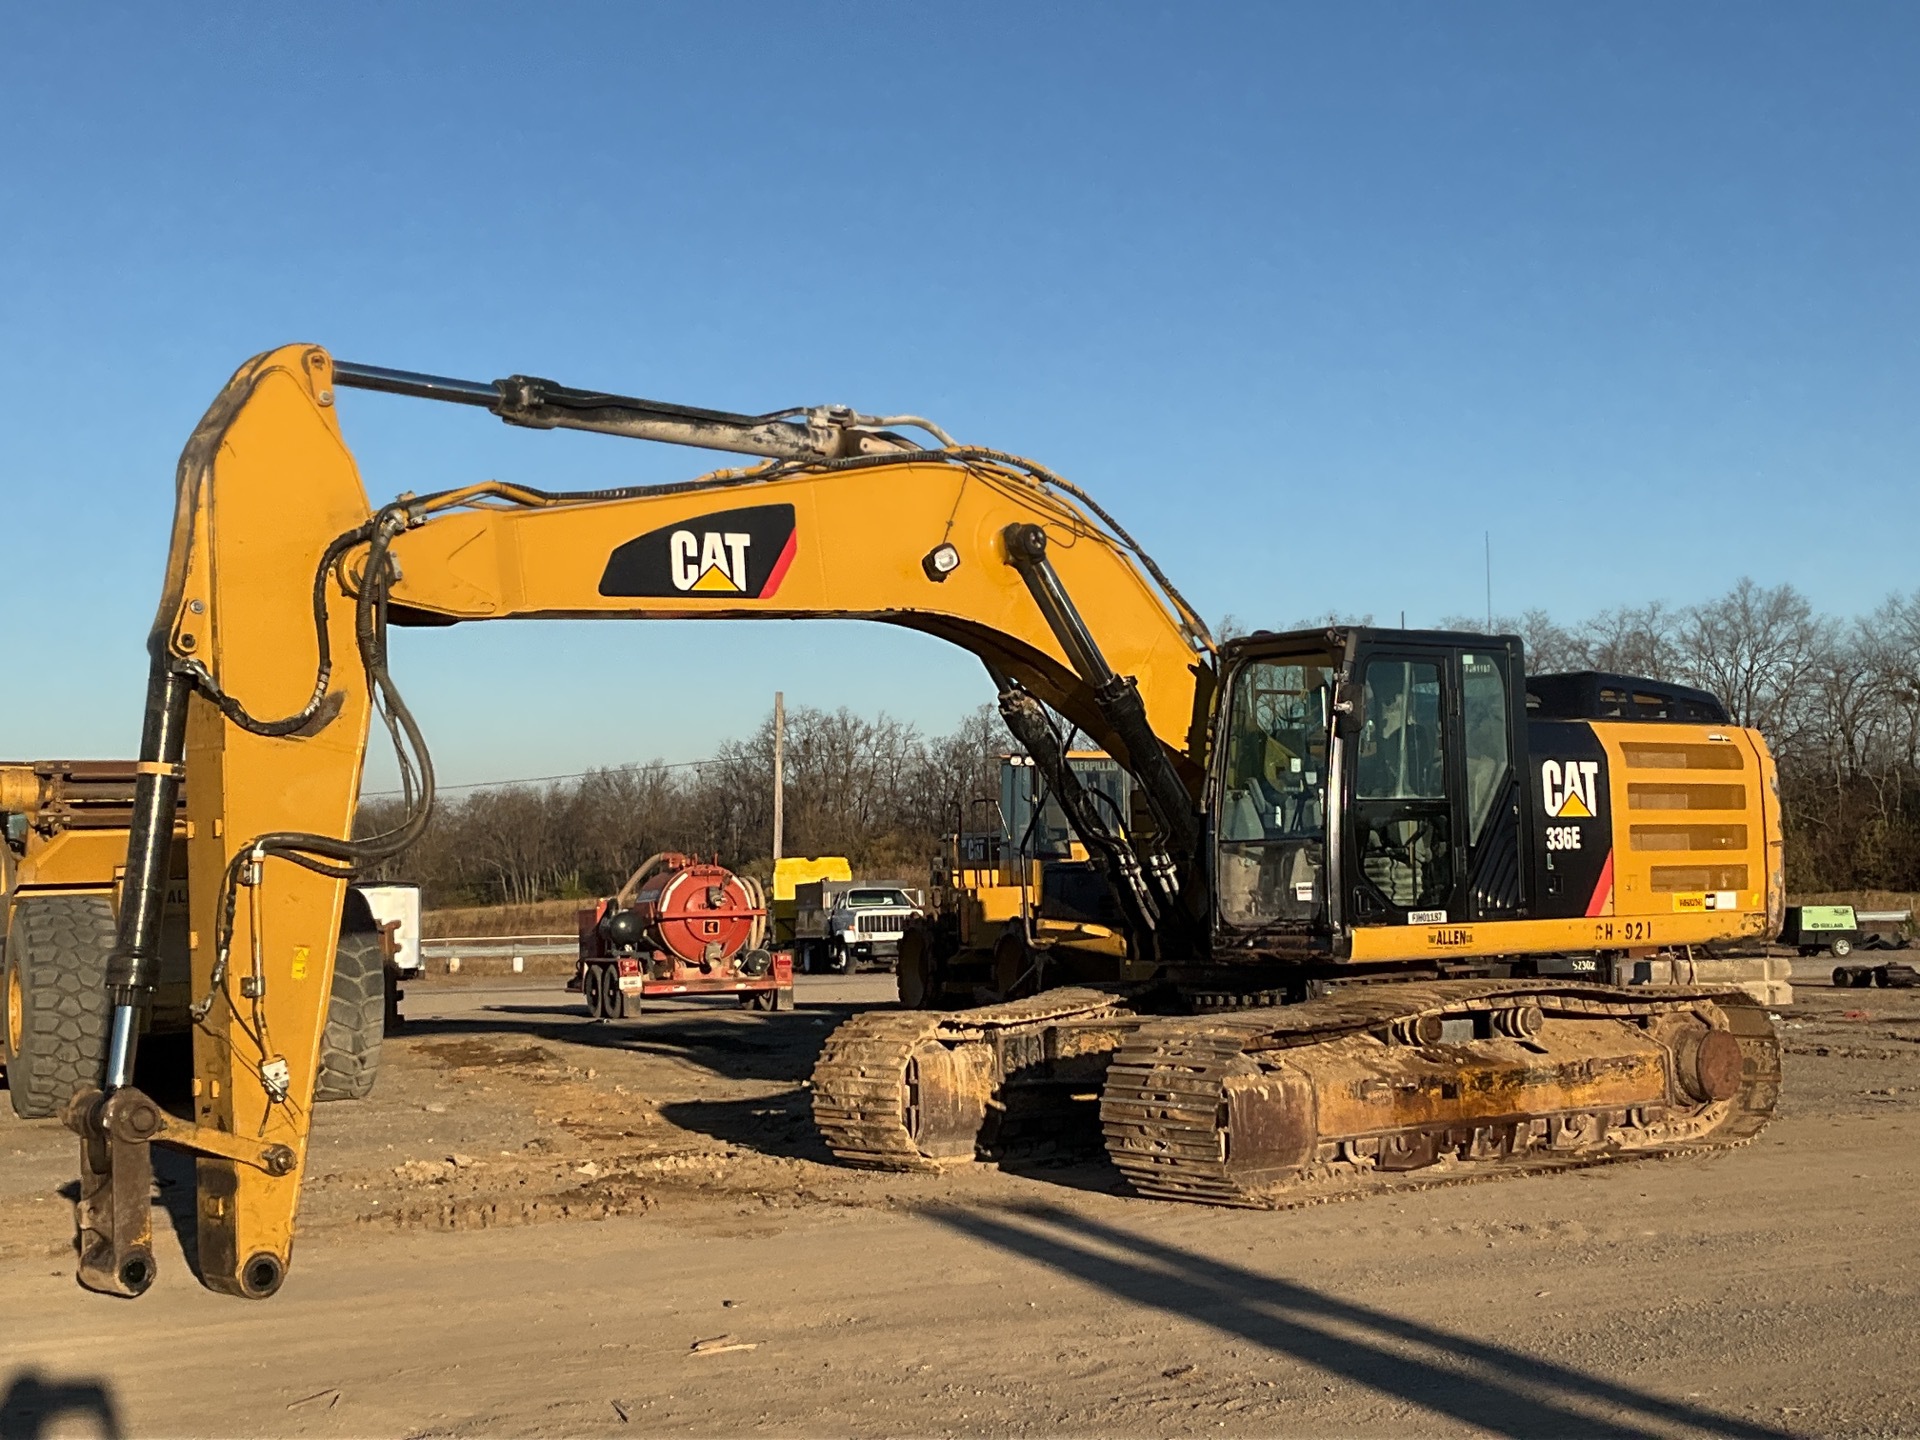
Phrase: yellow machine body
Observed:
(273, 543)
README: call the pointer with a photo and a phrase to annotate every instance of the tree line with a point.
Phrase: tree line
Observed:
(1837, 699)
(878, 791)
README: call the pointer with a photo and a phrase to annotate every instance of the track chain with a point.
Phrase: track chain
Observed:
(860, 1099)
(1165, 1089)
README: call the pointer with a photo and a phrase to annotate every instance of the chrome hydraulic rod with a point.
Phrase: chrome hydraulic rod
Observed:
(1118, 696)
(156, 795)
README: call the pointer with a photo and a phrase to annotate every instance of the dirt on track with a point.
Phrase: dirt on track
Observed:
(535, 1218)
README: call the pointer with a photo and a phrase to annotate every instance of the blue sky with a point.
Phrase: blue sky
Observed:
(1310, 297)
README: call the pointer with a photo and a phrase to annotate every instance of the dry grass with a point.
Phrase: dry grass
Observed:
(548, 917)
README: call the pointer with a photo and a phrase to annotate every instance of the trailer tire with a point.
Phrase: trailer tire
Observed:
(356, 1020)
(54, 1000)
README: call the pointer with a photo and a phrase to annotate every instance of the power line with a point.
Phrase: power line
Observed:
(548, 779)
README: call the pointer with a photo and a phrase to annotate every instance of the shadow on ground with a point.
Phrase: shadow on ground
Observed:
(32, 1405)
(779, 1125)
(1475, 1382)
(734, 1044)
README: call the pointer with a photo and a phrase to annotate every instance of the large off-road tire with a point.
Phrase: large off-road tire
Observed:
(356, 1020)
(54, 995)
(916, 974)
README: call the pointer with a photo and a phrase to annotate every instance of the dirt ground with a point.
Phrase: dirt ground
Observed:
(535, 1218)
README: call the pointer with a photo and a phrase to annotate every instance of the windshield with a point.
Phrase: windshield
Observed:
(1036, 824)
(859, 898)
(1272, 823)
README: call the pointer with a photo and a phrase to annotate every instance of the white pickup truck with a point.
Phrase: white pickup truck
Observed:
(841, 926)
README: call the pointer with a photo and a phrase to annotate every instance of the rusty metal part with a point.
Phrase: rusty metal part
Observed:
(59, 795)
(917, 1090)
(1707, 1065)
(115, 1212)
(1451, 1079)
(117, 1131)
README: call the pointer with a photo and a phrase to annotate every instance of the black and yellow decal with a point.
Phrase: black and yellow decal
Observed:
(730, 554)
(1572, 820)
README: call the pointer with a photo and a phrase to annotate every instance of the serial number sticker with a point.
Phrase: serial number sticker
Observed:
(1426, 917)
(1724, 900)
(1691, 904)
(1303, 890)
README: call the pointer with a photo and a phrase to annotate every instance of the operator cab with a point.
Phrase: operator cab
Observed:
(1368, 779)
(1424, 732)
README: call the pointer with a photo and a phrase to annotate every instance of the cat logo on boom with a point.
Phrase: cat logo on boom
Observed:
(729, 554)
(1570, 789)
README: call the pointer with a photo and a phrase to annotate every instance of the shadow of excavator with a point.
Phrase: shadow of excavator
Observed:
(1489, 1387)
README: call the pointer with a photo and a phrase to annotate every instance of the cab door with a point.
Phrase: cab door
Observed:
(1433, 814)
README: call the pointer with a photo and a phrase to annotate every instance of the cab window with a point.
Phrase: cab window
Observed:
(1401, 750)
(1483, 702)
(1402, 821)
(1272, 819)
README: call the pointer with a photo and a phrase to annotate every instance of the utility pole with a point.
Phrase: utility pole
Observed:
(779, 768)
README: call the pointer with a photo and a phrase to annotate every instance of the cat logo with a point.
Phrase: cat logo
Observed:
(730, 554)
(1570, 790)
(721, 563)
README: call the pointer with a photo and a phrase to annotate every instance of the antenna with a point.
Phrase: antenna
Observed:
(1487, 536)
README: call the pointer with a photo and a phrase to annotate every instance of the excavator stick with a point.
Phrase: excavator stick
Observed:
(261, 927)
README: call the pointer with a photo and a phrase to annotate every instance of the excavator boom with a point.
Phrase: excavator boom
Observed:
(268, 664)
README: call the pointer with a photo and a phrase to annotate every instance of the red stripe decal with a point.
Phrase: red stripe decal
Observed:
(780, 565)
(1602, 900)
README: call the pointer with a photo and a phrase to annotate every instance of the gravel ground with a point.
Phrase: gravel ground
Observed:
(535, 1218)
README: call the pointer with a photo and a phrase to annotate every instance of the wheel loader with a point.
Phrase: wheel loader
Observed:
(63, 843)
(1375, 895)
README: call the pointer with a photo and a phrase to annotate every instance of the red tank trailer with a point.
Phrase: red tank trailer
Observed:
(680, 926)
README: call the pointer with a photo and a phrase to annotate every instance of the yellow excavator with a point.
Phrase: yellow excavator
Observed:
(1379, 900)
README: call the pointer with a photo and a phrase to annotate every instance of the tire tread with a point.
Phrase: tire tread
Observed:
(62, 943)
(356, 1021)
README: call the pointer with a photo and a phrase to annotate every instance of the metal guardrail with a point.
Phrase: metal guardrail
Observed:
(500, 944)
(450, 950)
